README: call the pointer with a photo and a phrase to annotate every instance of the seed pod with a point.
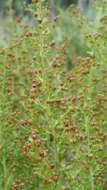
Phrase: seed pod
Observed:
(39, 158)
(34, 135)
(38, 142)
(55, 177)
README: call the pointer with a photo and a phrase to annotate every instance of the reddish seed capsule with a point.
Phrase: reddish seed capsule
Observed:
(55, 177)
(31, 101)
(38, 142)
(29, 145)
(34, 136)
(51, 165)
(74, 99)
(39, 158)
(42, 154)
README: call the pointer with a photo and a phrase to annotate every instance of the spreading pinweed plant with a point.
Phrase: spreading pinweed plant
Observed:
(53, 120)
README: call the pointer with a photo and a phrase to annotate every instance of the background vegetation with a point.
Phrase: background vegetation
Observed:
(53, 102)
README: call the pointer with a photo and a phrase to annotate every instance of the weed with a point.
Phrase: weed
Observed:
(53, 120)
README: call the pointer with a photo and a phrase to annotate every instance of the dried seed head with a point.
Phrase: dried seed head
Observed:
(34, 135)
(55, 177)
(39, 158)
(51, 165)
(38, 142)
